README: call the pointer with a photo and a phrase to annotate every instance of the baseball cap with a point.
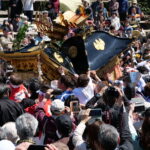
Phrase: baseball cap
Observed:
(64, 124)
(45, 12)
(57, 106)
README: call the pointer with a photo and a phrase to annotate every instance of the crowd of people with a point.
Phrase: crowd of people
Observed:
(79, 112)
(119, 18)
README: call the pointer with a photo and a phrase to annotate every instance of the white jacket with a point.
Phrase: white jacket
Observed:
(115, 22)
(78, 141)
(28, 5)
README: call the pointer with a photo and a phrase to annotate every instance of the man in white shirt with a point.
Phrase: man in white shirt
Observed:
(85, 90)
(28, 8)
(115, 21)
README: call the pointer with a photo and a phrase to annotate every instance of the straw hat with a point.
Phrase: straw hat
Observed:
(134, 1)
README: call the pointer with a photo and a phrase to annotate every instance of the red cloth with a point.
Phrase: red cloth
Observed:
(31, 109)
(18, 93)
(47, 108)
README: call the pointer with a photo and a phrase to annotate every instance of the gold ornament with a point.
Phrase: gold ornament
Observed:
(58, 58)
(99, 44)
(73, 51)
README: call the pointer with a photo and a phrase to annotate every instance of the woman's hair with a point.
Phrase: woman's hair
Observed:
(101, 135)
(83, 80)
(110, 95)
(129, 91)
(4, 90)
(34, 86)
(10, 131)
(4, 22)
(108, 137)
(26, 126)
(145, 136)
(68, 81)
(92, 134)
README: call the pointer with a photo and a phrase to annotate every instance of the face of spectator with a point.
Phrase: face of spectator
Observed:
(133, 4)
(6, 33)
(129, 32)
(50, 6)
(61, 85)
(101, 13)
(25, 41)
(41, 34)
(45, 14)
(114, 15)
(18, 19)
(6, 23)
(86, 4)
(133, 10)
(126, 24)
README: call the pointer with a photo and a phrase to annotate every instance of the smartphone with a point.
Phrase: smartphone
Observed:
(139, 108)
(96, 112)
(36, 147)
(139, 104)
(74, 106)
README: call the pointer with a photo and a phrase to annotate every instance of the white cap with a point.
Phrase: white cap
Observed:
(6, 145)
(57, 106)
(134, 1)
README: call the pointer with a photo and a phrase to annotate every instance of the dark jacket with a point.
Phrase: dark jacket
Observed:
(49, 124)
(126, 142)
(9, 111)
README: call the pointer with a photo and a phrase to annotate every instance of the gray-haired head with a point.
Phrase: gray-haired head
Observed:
(10, 131)
(108, 137)
(26, 126)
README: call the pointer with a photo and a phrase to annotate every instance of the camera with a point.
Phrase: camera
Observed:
(74, 106)
(95, 113)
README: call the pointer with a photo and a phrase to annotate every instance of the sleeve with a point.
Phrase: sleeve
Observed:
(78, 141)
(91, 102)
(125, 135)
(3, 41)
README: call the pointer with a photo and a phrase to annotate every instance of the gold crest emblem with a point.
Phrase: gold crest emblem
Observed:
(99, 44)
(73, 51)
(58, 58)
